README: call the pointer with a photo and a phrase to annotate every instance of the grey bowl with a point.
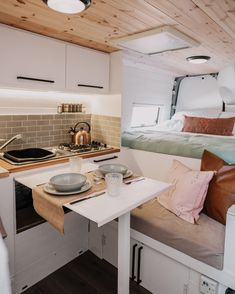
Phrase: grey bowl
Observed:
(68, 182)
(113, 168)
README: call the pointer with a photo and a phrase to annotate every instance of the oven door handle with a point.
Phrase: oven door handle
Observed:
(2, 230)
(104, 159)
(139, 264)
(133, 262)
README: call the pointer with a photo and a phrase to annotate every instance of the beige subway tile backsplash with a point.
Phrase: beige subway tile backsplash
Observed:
(42, 122)
(18, 117)
(35, 117)
(5, 117)
(29, 123)
(14, 123)
(106, 129)
(51, 130)
(39, 130)
(3, 124)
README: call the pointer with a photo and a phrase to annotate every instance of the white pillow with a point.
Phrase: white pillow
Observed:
(208, 113)
(167, 125)
(171, 125)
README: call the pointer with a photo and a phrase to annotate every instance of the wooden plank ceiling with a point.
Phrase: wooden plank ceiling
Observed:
(211, 22)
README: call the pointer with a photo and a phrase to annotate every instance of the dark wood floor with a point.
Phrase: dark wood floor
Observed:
(86, 274)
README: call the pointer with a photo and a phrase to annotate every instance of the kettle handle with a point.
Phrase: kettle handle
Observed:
(82, 122)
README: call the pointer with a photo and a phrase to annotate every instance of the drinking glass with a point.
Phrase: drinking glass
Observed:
(75, 164)
(113, 183)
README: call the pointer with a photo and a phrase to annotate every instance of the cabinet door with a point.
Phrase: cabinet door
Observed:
(7, 215)
(157, 272)
(31, 61)
(42, 250)
(110, 243)
(87, 70)
(160, 274)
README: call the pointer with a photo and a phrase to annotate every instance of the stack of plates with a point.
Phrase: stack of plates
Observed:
(67, 184)
(113, 168)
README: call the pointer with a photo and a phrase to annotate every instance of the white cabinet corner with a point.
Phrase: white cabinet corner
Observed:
(87, 70)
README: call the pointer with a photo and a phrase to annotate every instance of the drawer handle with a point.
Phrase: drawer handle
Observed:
(108, 158)
(2, 230)
(90, 86)
(133, 263)
(35, 79)
(138, 265)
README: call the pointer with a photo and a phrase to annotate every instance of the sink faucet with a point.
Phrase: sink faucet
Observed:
(16, 137)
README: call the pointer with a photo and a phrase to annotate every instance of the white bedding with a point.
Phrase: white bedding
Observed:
(175, 124)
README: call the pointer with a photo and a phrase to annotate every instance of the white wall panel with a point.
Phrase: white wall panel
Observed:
(199, 92)
(36, 102)
(145, 86)
(226, 81)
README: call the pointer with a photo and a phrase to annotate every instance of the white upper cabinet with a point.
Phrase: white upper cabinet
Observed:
(87, 70)
(31, 61)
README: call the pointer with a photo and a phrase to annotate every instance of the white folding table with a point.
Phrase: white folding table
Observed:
(104, 209)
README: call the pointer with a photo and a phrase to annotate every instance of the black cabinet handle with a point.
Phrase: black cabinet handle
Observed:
(104, 159)
(34, 79)
(90, 86)
(133, 263)
(2, 230)
(138, 265)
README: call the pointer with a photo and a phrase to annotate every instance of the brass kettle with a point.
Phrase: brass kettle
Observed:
(82, 136)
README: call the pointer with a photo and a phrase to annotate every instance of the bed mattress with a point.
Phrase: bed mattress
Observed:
(180, 144)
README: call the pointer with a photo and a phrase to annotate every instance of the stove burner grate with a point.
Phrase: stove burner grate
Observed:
(94, 146)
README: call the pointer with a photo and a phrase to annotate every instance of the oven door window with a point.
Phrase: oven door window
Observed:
(26, 216)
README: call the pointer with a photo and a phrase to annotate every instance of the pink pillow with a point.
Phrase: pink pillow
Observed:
(187, 195)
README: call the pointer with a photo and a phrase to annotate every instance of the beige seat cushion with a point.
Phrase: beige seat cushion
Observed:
(203, 241)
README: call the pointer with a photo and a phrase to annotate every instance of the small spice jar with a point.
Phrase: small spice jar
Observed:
(66, 107)
(59, 108)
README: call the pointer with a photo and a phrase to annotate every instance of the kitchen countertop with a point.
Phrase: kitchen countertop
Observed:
(7, 168)
(3, 172)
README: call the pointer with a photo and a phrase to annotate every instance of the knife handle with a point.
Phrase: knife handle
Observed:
(86, 198)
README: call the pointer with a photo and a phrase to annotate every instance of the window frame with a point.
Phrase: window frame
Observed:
(136, 104)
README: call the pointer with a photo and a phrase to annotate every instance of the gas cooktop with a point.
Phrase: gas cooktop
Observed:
(93, 147)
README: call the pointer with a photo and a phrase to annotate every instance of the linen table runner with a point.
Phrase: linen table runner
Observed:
(50, 207)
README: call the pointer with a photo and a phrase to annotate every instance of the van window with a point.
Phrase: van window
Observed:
(145, 115)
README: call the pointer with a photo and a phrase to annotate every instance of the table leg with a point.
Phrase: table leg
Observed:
(123, 253)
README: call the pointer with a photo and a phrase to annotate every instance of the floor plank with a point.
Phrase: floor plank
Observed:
(86, 274)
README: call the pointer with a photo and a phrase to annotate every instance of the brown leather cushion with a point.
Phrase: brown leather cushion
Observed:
(221, 191)
(214, 126)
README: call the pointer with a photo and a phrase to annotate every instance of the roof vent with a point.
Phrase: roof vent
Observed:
(156, 41)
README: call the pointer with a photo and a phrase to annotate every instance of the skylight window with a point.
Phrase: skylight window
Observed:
(155, 41)
(145, 115)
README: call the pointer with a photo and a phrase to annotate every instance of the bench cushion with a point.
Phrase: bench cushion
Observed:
(203, 241)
